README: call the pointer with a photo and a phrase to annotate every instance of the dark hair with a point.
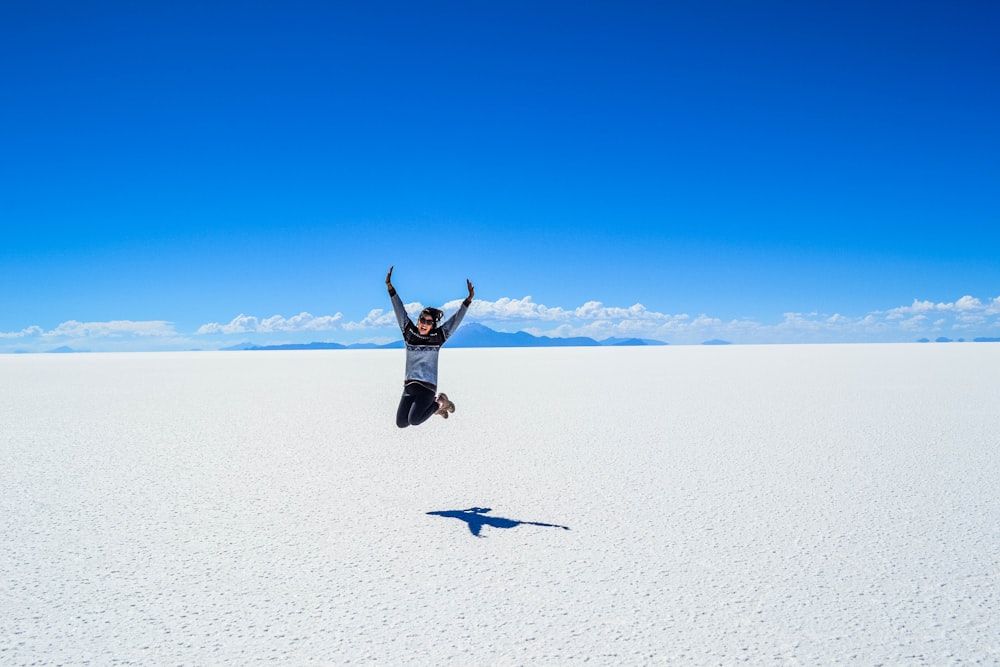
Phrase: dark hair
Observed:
(433, 313)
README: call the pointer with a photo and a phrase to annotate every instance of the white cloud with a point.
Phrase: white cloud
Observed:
(510, 309)
(113, 329)
(276, 323)
(239, 324)
(112, 335)
(915, 323)
(300, 322)
(377, 319)
(967, 317)
(30, 332)
(524, 309)
(967, 303)
(594, 319)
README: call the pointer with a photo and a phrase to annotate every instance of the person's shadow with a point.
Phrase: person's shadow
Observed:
(476, 518)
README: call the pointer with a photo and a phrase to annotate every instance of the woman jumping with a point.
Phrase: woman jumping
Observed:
(423, 343)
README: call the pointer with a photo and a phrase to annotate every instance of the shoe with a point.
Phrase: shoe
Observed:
(445, 402)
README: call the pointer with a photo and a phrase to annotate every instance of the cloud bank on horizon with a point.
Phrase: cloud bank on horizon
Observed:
(964, 319)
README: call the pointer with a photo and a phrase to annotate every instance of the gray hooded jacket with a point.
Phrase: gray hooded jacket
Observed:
(422, 351)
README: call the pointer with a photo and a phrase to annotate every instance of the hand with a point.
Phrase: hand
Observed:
(472, 290)
(388, 278)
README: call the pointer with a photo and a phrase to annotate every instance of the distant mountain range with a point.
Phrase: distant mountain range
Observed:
(468, 335)
(478, 335)
(942, 339)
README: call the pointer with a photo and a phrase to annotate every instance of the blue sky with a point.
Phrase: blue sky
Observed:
(192, 175)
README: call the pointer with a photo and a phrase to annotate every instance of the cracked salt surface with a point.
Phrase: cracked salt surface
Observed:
(775, 504)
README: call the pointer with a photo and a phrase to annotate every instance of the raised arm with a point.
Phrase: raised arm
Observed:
(452, 322)
(388, 281)
(472, 292)
(397, 304)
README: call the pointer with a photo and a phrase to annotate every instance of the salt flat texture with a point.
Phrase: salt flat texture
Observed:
(769, 504)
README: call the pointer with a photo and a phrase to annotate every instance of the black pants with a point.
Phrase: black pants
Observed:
(416, 405)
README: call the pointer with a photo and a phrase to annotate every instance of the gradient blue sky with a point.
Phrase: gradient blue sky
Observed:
(183, 175)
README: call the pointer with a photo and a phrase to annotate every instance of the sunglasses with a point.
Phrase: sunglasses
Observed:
(426, 320)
